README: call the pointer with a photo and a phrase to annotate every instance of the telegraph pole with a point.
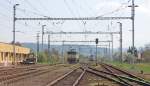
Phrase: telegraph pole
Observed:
(14, 32)
(42, 34)
(120, 25)
(37, 46)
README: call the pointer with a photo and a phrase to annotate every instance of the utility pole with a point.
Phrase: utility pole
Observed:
(106, 51)
(48, 43)
(112, 46)
(49, 46)
(133, 22)
(14, 32)
(133, 17)
(109, 50)
(42, 34)
(96, 55)
(62, 53)
(120, 25)
(79, 52)
(37, 47)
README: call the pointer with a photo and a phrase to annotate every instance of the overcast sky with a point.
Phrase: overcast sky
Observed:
(26, 30)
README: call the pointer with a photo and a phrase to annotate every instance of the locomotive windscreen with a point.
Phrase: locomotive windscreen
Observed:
(72, 52)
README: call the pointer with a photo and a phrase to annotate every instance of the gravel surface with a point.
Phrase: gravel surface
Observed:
(93, 80)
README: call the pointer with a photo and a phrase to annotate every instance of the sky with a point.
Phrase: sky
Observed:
(26, 30)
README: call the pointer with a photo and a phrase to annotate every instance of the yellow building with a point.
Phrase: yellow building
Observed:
(6, 53)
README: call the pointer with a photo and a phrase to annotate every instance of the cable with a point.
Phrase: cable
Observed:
(67, 5)
(43, 6)
(7, 13)
(77, 5)
(8, 1)
(27, 1)
(91, 10)
(83, 22)
(25, 10)
(129, 1)
(78, 11)
(35, 13)
(5, 8)
(117, 9)
(7, 18)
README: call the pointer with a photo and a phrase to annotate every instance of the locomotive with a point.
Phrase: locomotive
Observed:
(72, 57)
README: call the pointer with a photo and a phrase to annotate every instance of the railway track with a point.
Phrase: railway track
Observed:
(120, 76)
(8, 79)
(25, 67)
(115, 70)
(76, 76)
(71, 78)
(16, 70)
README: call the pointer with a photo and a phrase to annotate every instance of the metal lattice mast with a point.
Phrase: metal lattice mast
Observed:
(14, 33)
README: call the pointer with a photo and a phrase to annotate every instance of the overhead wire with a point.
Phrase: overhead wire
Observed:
(43, 6)
(118, 9)
(7, 9)
(43, 15)
(28, 11)
(91, 10)
(9, 19)
(70, 10)
(8, 1)
(121, 7)
(7, 16)
(34, 8)
(35, 13)
(83, 22)
(38, 14)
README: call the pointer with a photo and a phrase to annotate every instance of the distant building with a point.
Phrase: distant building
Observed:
(6, 53)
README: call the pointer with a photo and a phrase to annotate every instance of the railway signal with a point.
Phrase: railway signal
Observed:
(96, 40)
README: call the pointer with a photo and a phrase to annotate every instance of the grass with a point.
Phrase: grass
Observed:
(145, 67)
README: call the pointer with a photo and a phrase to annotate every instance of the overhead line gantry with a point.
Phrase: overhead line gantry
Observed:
(79, 18)
(132, 17)
(80, 41)
(87, 32)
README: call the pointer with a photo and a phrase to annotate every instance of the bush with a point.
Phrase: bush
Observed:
(42, 57)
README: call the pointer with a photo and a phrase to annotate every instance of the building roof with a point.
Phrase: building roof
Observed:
(6, 47)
